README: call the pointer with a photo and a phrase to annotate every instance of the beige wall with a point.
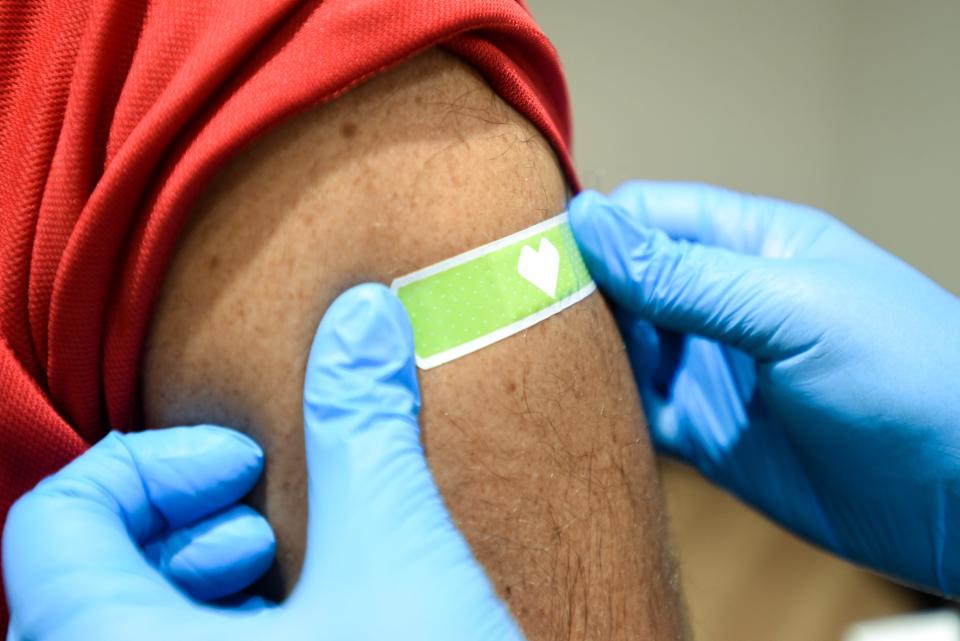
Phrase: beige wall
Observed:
(852, 106)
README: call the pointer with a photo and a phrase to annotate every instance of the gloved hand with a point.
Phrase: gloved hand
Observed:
(384, 560)
(794, 363)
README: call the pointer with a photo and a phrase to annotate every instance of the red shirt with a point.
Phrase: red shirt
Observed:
(114, 114)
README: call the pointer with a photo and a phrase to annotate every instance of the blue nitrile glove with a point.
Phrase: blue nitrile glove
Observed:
(794, 363)
(384, 560)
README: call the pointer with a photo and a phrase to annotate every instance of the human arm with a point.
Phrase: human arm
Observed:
(794, 363)
(536, 442)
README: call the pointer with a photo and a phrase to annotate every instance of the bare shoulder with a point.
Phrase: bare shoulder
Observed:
(536, 441)
(417, 164)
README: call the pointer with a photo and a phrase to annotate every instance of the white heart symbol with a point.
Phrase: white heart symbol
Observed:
(541, 267)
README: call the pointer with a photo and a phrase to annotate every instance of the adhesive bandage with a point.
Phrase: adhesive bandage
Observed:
(484, 295)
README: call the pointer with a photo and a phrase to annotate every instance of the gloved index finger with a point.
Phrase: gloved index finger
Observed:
(712, 215)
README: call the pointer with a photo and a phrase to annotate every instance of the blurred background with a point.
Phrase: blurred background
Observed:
(852, 106)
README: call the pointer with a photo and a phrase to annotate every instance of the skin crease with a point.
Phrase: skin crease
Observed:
(535, 442)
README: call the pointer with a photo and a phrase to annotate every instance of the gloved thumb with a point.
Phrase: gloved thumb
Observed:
(675, 284)
(376, 517)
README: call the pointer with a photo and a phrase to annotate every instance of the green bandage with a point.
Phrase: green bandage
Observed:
(472, 300)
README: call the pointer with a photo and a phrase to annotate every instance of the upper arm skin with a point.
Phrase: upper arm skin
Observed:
(535, 442)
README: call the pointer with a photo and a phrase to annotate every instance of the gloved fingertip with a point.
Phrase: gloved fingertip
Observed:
(614, 242)
(589, 210)
(190, 472)
(363, 351)
(585, 200)
(584, 210)
(231, 438)
(223, 452)
(595, 217)
(367, 325)
(218, 556)
(244, 525)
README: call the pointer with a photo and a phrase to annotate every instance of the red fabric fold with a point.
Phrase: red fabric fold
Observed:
(114, 114)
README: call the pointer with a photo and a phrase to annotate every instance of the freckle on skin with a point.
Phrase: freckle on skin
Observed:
(348, 130)
(213, 263)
